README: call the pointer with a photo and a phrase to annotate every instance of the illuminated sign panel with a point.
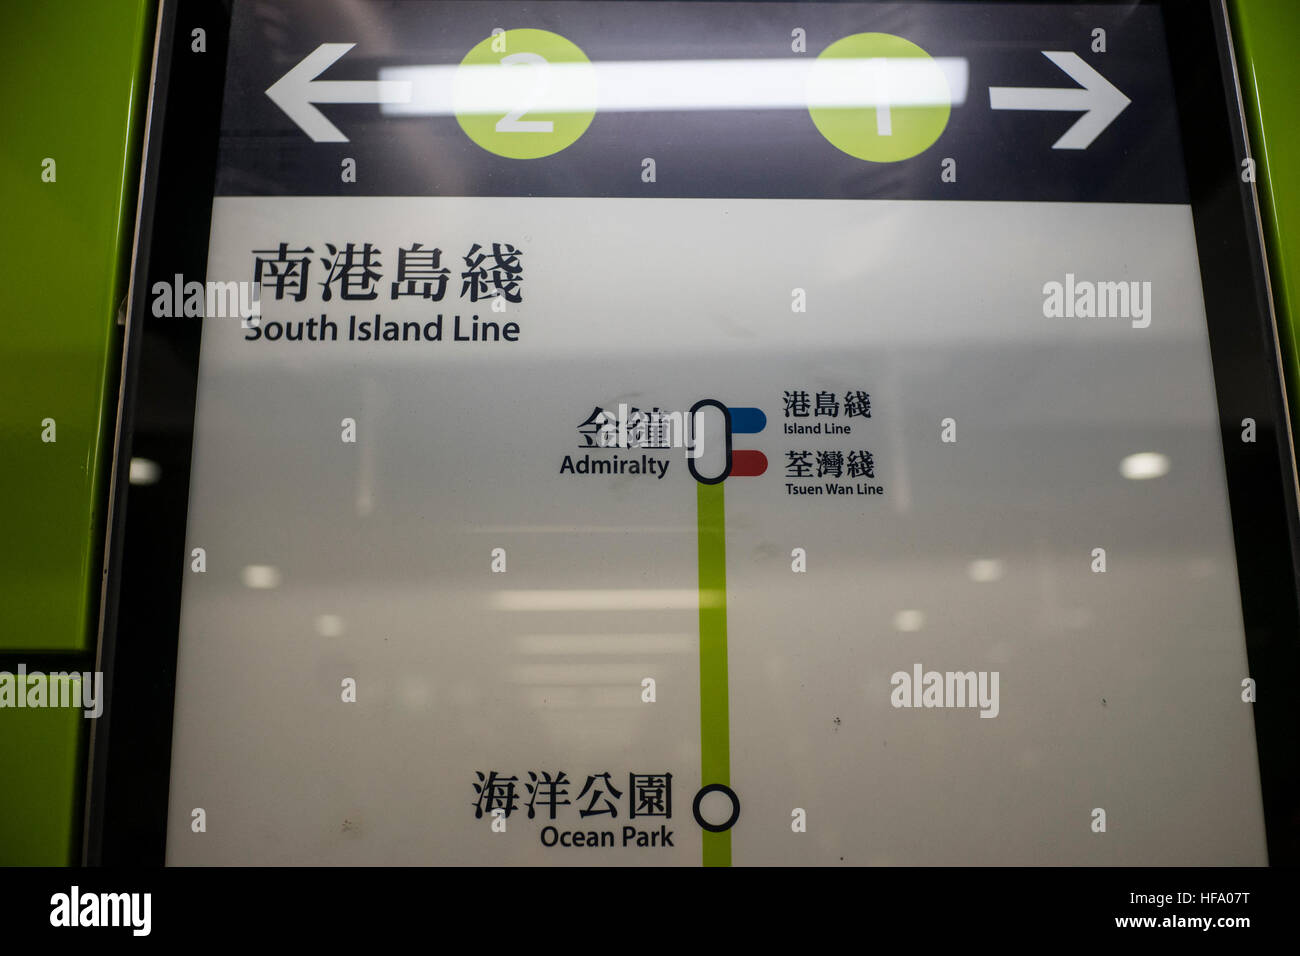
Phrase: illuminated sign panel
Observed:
(725, 433)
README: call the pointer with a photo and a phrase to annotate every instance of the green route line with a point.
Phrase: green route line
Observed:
(715, 734)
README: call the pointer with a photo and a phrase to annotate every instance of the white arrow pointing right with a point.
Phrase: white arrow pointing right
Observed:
(1098, 100)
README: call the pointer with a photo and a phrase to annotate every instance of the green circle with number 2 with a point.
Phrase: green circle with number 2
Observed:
(891, 103)
(525, 94)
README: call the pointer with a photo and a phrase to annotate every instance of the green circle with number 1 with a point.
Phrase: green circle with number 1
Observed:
(525, 94)
(878, 97)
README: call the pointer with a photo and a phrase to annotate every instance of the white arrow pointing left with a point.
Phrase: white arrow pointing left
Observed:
(1098, 100)
(298, 90)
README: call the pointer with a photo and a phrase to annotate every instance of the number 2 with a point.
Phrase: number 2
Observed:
(512, 122)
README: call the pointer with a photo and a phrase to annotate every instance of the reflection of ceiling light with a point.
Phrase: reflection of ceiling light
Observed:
(415, 693)
(329, 625)
(612, 86)
(613, 599)
(144, 471)
(985, 570)
(1143, 465)
(909, 621)
(1075, 618)
(261, 576)
(606, 644)
(573, 675)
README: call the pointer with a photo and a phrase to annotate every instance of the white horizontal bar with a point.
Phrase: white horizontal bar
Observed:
(625, 86)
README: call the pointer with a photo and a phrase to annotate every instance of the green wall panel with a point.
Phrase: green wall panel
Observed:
(41, 771)
(72, 77)
(1266, 32)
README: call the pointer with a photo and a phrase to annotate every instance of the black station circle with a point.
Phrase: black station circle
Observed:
(735, 807)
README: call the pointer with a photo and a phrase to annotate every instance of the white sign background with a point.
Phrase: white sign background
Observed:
(1118, 690)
